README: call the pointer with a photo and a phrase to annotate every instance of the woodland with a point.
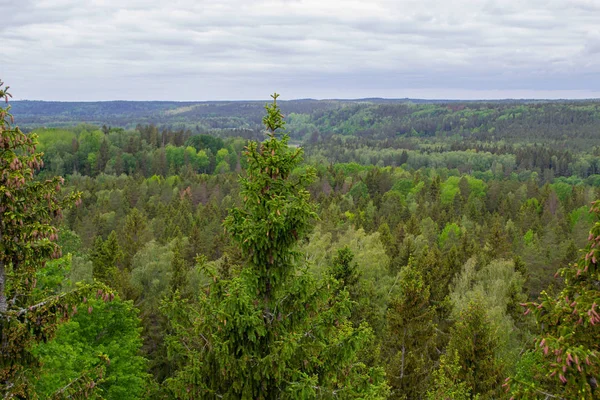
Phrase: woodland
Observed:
(367, 249)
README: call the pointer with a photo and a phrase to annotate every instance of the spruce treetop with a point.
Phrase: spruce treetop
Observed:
(276, 210)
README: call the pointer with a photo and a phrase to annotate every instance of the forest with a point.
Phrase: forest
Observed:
(368, 249)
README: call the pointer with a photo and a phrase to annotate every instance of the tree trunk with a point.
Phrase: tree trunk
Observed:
(403, 351)
(3, 302)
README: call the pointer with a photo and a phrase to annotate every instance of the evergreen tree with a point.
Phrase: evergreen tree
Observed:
(135, 235)
(344, 270)
(475, 345)
(28, 212)
(570, 339)
(409, 345)
(497, 244)
(104, 256)
(446, 384)
(271, 331)
(436, 274)
(103, 156)
(179, 268)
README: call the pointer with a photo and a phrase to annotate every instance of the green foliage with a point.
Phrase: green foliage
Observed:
(151, 273)
(344, 270)
(570, 338)
(487, 181)
(451, 232)
(529, 237)
(563, 190)
(375, 285)
(350, 168)
(499, 289)
(272, 330)
(530, 380)
(276, 208)
(104, 256)
(581, 214)
(136, 235)
(446, 380)
(69, 242)
(201, 142)
(452, 186)
(473, 341)
(98, 328)
(450, 190)
(409, 344)
(359, 191)
(179, 269)
(28, 212)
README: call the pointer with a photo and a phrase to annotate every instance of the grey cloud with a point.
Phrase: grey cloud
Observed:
(584, 5)
(239, 49)
(592, 44)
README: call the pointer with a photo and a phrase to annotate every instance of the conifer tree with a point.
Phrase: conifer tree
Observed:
(569, 343)
(104, 256)
(29, 209)
(135, 235)
(446, 384)
(345, 270)
(437, 275)
(271, 331)
(178, 268)
(472, 346)
(409, 345)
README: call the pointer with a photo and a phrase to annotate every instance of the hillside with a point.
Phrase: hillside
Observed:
(409, 229)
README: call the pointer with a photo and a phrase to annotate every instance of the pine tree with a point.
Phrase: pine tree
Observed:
(272, 330)
(446, 383)
(497, 244)
(29, 209)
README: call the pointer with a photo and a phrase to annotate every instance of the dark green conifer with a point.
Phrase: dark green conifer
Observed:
(409, 344)
(474, 345)
(272, 330)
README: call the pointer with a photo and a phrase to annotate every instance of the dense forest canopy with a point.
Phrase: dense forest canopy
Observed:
(411, 255)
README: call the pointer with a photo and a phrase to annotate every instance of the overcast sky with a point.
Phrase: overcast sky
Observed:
(246, 49)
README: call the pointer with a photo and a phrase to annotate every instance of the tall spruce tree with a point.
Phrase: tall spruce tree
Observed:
(472, 347)
(345, 270)
(135, 235)
(409, 344)
(271, 331)
(104, 256)
(29, 209)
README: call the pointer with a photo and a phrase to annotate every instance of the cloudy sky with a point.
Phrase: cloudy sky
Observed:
(246, 49)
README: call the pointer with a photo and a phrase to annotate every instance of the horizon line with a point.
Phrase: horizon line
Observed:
(407, 99)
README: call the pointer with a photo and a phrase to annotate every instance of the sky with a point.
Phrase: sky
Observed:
(86, 50)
